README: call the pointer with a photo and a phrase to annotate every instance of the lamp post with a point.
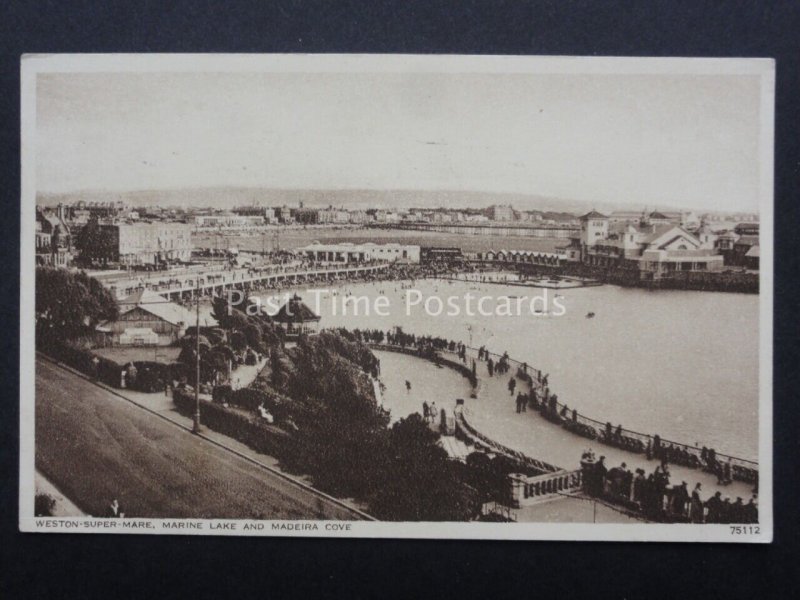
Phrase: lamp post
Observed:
(196, 423)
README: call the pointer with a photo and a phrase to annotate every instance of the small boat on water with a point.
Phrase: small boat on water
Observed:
(590, 315)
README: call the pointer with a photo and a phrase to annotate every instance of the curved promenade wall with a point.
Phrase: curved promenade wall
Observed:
(556, 412)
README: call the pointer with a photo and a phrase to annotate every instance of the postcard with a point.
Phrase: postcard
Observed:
(496, 297)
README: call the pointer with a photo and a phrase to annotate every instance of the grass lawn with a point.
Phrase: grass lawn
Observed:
(121, 356)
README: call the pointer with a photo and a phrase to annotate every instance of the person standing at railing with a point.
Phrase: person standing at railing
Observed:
(696, 508)
(680, 499)
(751, 510)
(638, 486)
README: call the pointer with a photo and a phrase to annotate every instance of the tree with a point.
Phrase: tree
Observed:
(423, 483)
(253, 334)
(95, 243)
(214, 362)
(238, 341)
(70, 304)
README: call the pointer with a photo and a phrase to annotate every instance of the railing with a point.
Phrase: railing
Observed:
(627, 439)
(529, 490)
(478, 439)
(168, 282)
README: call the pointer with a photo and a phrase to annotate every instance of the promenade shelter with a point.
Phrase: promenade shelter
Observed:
(295, 317)
(146, 319)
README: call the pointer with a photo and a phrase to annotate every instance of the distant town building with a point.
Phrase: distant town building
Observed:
(304, 216)
(359, 217)
(451, 255)
(229, 221)
(742, 248)
(746, 229)
(653, 249)
(148, 243)
(284, 215)
(100, 210)
(686, 219)
(501, 212)
(53, 238)
(752, 258)
(476, 219)
(360, 253)
(266, 213)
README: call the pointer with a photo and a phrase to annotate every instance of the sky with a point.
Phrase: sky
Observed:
(670, 140)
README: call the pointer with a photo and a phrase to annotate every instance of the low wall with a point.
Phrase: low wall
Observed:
(477, 439)
(261, 437)
(632, 441)
(531, 490)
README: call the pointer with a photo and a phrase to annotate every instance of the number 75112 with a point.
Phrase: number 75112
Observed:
(745, 530)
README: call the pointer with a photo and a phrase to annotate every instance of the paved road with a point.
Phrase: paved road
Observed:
(95, 446)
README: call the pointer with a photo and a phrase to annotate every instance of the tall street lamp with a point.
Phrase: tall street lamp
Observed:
(196, 423)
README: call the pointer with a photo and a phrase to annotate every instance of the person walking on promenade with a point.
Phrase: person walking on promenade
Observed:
(426, 411)
(408, 386)
(490, 367)
(512, 385)
(433, 412)
(114, 510)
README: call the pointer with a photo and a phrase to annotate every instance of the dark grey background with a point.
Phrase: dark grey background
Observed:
(71, 566)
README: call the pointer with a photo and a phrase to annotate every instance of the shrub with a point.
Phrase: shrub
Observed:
(250, 358)
(43, 505)
(261, 437)
(238, 341)
(253, 334)
(221, 394)
(248, 398)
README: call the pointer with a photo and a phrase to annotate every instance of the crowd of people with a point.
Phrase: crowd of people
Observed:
(657, 499)
(652, 495)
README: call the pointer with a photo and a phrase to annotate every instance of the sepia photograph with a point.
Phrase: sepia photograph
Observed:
(401, 296)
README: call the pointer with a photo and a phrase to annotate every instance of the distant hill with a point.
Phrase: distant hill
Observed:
(230, 197)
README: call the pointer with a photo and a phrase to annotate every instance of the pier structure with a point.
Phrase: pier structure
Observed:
(184, 284)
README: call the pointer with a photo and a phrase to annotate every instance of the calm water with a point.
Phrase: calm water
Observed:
(680, 364)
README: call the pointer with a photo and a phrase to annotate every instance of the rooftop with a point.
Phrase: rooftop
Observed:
(593, 214)
(156, 305)
(295, 311)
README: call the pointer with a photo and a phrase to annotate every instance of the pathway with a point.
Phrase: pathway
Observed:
(232, 450)
(493, 413)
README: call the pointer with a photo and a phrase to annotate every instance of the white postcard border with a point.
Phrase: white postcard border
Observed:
(33, 64)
